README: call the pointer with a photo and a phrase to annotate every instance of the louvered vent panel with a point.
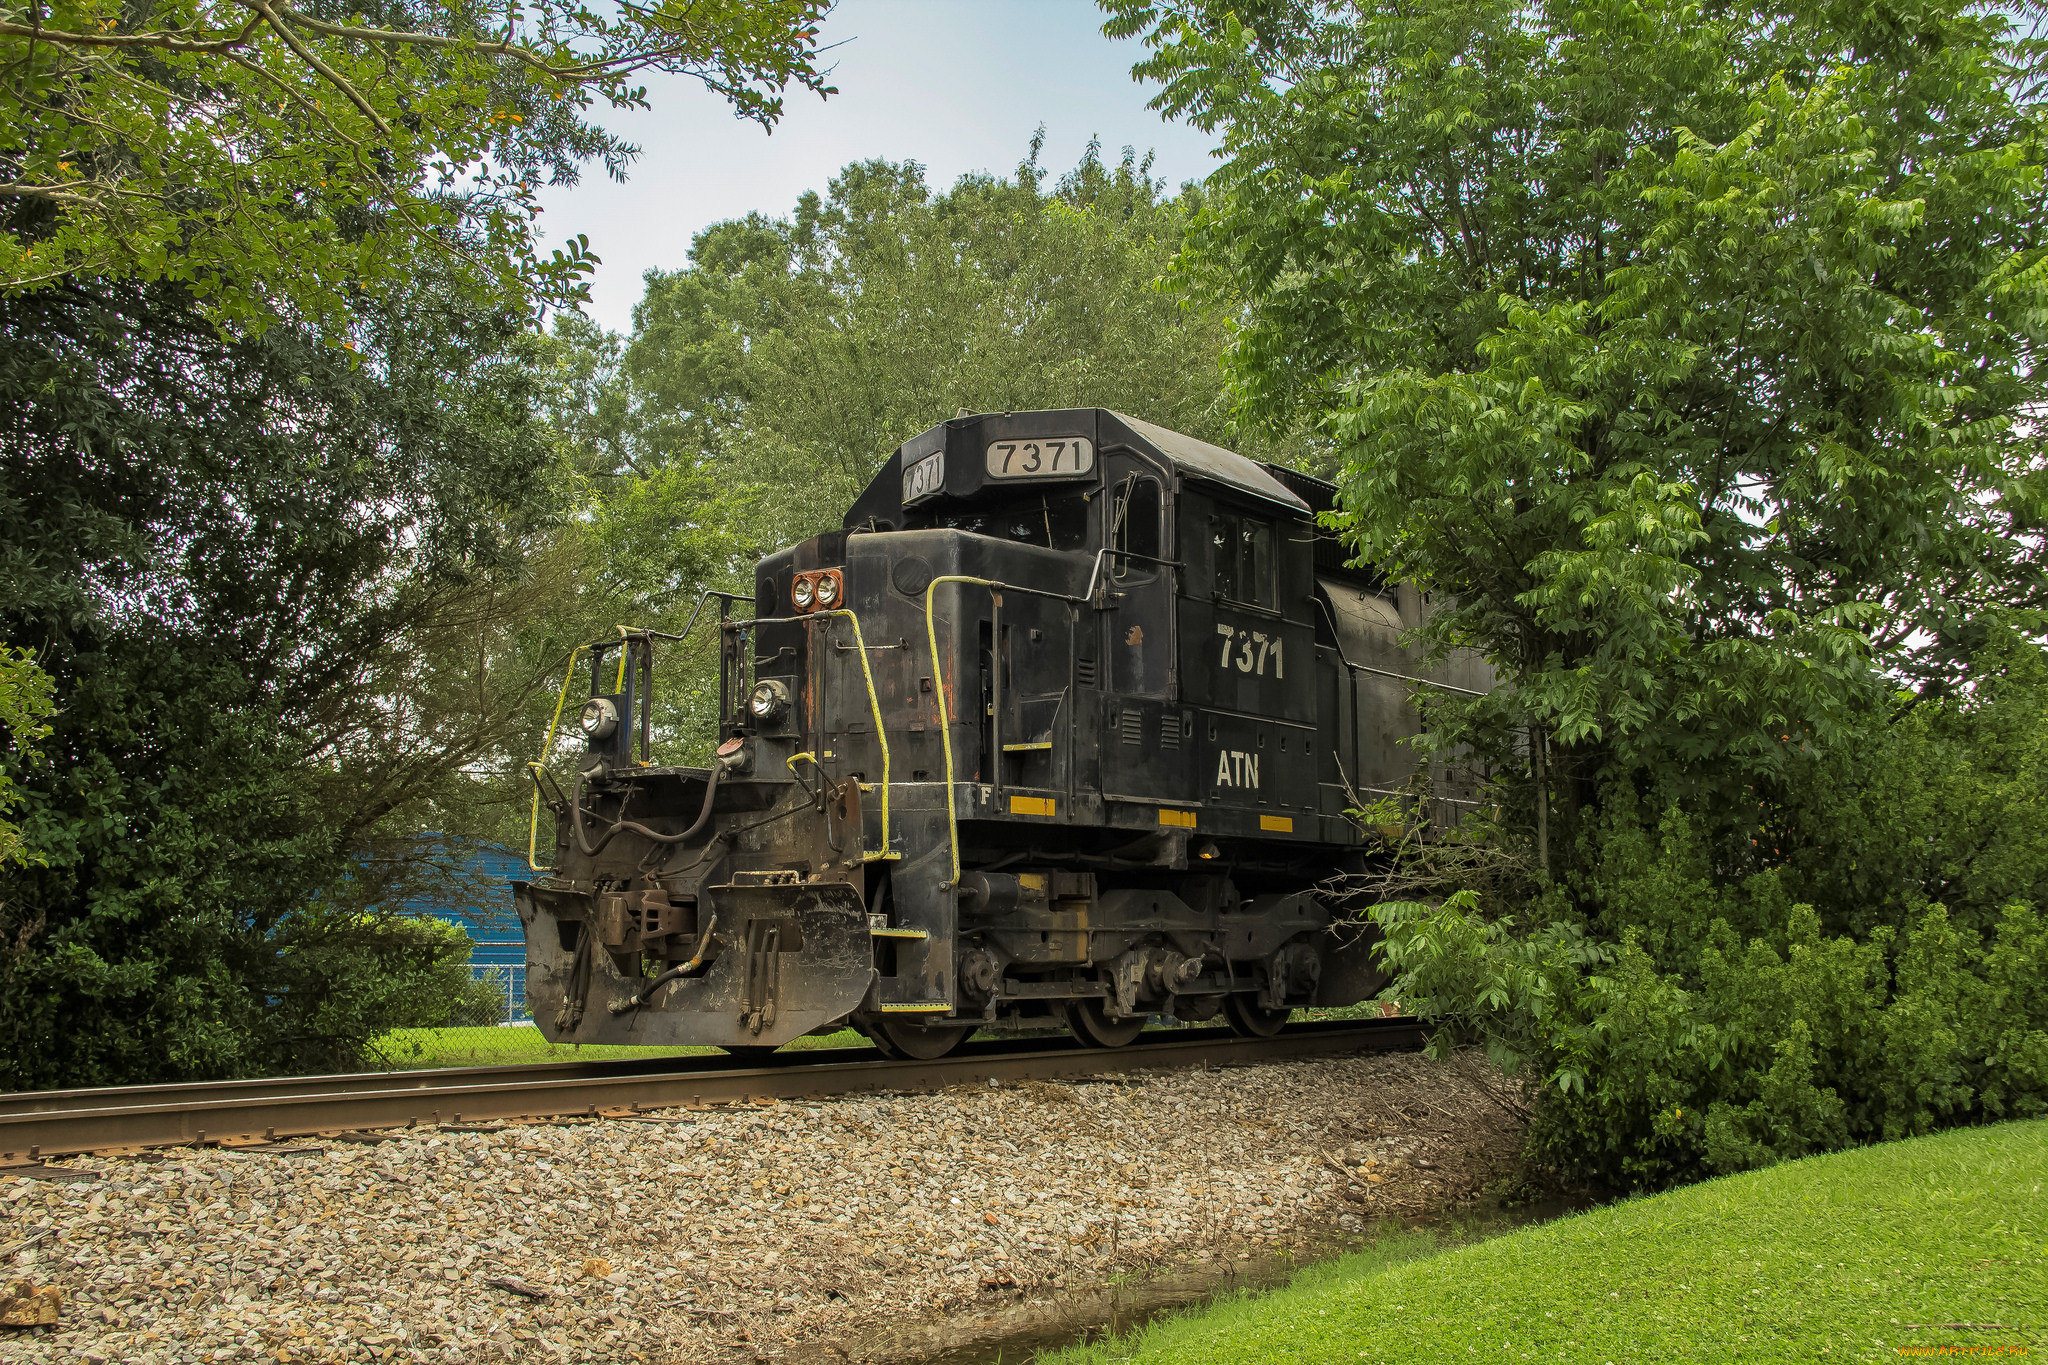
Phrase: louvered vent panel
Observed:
(1169, 731)
(1134, 727)
(1086, 669)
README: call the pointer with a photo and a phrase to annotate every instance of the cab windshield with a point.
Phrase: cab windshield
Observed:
(1056, 523)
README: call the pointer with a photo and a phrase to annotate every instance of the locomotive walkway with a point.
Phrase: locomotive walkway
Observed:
(37, 1125)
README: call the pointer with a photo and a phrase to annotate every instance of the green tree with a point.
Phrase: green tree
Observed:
(25, 706)
(764, 383)
(277, 158)
(1691, 355)
(794, 354)
(1689, 352)
(270, 582)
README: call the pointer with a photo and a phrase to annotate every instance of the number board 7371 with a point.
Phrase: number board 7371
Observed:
(1042, 457)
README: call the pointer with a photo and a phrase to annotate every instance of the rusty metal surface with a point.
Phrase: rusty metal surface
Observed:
(57, 1123)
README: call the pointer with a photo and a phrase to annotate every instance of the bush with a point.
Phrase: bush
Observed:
(1789, 1043)
(349, 979)
(1860, 955)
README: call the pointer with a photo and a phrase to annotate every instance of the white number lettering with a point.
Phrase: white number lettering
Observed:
(1254, 648)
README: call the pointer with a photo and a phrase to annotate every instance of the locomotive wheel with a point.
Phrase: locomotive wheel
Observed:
(1096, 1029)
(1249, 1019)
(908, 1040)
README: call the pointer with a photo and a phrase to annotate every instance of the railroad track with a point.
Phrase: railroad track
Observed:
(36, 1125)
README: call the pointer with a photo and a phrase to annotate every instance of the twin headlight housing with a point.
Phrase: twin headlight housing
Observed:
(819, 590)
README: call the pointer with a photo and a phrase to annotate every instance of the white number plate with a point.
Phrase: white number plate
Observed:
(1040, 459)
(924, 477)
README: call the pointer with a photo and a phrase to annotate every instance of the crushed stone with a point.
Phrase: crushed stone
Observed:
(784, 1231)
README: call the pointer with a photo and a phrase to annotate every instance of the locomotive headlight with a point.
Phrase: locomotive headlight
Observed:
(768, 701)
(599, 719)
(801, 592)
(828, 589)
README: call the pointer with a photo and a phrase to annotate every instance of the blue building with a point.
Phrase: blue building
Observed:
(484, 912)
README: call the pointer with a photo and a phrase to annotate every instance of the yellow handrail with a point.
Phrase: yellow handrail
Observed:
(887, 852)
(931, 631)
(533, 770)
(881, 733)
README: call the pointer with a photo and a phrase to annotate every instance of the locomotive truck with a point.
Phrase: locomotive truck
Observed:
(1063, 722)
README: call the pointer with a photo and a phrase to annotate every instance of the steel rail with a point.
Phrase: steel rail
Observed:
(41, 1124)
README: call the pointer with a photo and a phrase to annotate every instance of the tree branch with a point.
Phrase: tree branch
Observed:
(167, 41)
(312, 59)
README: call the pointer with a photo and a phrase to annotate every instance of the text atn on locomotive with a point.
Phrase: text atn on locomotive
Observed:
(1064, 722)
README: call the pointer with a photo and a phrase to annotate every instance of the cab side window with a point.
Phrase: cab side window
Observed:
(1241, 550)
(1134, 526)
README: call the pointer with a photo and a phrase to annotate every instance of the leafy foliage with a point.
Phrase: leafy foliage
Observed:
(795, 354)
(25, 706)
(275, 158)
(1886, 979)
(246, 564)
(1694, 357)
(1690, 353)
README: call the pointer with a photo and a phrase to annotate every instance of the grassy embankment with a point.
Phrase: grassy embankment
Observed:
(1870, 1254)
(430, 1047)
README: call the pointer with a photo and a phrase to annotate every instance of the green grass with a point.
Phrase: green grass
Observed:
(1827, 1259)
(421, 1048)
(416, 1048)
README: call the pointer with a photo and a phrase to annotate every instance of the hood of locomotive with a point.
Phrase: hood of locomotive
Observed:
(734, 905)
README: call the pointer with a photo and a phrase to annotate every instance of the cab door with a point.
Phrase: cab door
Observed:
(1143, 732)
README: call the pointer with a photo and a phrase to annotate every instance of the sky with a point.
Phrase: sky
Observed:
(956, 85)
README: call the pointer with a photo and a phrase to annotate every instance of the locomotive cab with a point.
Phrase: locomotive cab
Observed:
(1063, 721)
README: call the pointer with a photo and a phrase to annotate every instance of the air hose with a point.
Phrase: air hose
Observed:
(646, 992)
(591, 850)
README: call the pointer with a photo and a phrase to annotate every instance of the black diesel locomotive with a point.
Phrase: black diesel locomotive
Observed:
(1063, 722)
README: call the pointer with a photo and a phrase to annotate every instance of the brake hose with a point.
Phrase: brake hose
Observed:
(646, 992)
(591, 850)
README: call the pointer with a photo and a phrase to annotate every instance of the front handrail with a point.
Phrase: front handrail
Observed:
(626, 634)
(535, 769)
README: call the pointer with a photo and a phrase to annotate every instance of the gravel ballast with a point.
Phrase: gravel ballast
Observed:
(790, 1231)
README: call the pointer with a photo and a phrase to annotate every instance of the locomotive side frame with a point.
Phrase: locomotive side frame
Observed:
(1078, 743)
